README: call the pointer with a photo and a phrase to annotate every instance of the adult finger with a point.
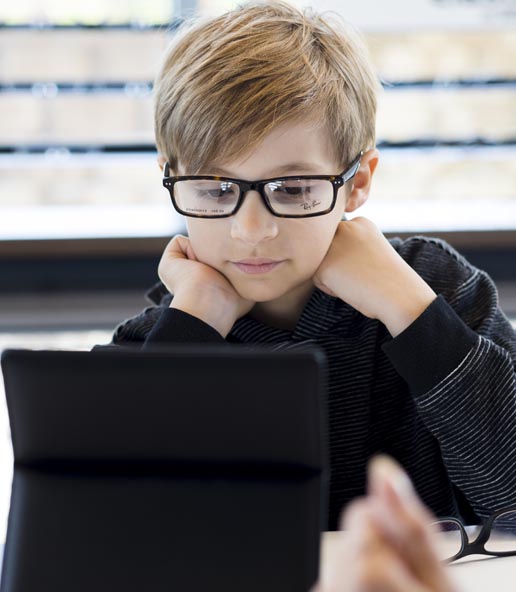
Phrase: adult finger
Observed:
(406, 522)
(375, 565)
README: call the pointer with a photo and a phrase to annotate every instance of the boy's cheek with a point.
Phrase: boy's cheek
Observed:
(203, 252)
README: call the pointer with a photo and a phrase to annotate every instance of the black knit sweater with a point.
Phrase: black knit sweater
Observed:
(440, 397)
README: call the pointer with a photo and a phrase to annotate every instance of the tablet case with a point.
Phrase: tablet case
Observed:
(181, 468)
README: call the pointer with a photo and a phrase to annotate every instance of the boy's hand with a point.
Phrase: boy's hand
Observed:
(364, 270)
(199, 289)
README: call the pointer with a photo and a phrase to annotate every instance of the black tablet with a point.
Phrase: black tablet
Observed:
(188, 468)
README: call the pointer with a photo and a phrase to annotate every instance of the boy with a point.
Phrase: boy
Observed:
(421, 359)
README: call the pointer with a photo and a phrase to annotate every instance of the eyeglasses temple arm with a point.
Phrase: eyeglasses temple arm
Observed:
(353, 169)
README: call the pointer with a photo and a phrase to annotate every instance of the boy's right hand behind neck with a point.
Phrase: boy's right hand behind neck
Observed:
(199, 289)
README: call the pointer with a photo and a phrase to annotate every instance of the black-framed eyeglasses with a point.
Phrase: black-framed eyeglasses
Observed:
(301, 196)
(496, 536)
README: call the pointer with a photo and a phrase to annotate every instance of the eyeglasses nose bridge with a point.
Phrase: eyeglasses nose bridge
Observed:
(245, 187)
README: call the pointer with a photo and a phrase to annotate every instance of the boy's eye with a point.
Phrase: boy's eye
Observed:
(294, 189)
(218, 191)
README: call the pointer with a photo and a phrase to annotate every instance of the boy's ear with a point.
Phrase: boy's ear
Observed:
(161, 161)
(362, 181)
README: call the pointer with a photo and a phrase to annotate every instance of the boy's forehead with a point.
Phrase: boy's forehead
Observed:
(282, 169)
(287, 149)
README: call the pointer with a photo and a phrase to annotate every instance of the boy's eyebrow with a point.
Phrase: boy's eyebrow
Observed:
(292, 167)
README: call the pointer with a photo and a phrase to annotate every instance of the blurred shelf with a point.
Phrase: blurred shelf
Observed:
(123, 112)
(60, 311)
(102, 311)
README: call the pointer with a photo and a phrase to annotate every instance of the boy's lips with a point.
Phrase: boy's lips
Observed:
(256, 265)
(257, 261)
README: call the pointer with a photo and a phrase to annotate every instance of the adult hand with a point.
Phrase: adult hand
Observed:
(199, 289)
(393, 545)
(363, 269)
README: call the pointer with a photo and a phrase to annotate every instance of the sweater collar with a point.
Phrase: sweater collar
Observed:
(319, 315)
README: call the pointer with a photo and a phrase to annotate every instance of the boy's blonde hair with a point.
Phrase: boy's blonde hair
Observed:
(228, 81)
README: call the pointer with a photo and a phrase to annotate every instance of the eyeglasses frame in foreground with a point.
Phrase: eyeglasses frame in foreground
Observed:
(477, 546)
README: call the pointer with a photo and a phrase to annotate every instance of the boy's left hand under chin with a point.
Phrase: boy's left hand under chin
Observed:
(365, 271)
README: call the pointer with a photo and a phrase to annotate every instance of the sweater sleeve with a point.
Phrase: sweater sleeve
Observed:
(161, 325)
(177, 326)
(459, 360)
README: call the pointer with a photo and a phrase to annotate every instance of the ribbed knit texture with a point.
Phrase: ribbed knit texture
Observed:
(440, 397)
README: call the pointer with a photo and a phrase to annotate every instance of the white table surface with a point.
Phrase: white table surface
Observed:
(474, 573)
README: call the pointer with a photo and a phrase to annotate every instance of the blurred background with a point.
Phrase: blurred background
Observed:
(84, 217)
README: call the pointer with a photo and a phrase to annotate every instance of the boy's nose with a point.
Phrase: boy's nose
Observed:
(253, 223)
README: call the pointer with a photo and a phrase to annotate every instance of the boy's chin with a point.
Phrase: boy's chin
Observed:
(259, 293)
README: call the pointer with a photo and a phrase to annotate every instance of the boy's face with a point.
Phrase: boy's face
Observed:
(299, 244)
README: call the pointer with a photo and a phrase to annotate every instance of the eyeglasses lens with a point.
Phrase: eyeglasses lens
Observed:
(203, 197)
(449, 538)
(299, 197)
(503, 533)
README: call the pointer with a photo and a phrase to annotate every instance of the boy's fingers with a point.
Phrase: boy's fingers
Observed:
(179, 247)
(176, 248)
